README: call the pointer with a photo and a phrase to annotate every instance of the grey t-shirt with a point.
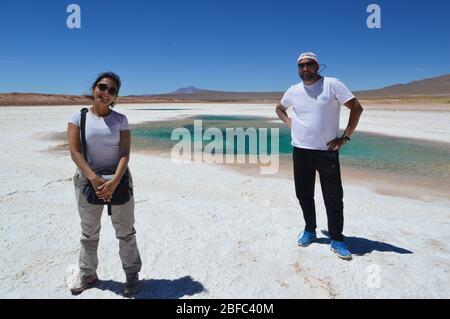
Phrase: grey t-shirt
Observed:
(102, 137)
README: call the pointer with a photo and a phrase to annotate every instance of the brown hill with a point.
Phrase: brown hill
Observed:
(437, 88)
(439, 85)
(13, 99)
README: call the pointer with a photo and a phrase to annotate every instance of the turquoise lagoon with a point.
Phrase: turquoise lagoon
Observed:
(364, 151)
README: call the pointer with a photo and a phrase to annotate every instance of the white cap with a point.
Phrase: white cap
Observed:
(308, 55)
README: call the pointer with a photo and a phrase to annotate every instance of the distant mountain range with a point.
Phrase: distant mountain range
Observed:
(439, 85)
(431, 88)
(188, 90)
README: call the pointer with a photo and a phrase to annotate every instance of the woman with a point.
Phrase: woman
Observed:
(108, 145)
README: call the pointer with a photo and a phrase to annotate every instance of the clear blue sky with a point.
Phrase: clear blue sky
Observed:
(233, 45)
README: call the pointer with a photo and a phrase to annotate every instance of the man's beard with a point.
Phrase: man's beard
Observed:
(308, 76)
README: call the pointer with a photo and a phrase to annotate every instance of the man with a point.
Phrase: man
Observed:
(316, 103)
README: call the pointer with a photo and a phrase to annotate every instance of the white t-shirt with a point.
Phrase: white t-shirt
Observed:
(316, 109)
(102, 137)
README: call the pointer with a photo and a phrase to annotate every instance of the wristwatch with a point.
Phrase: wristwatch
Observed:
(346, 138)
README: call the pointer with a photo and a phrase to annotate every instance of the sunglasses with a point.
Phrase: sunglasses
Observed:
(308, 64)
(104, 87)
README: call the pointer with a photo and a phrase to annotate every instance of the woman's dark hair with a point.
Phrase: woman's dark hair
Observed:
(110, 75)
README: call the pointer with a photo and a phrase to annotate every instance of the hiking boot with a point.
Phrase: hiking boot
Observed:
(83, 282)
(132, 284)
(306, 238)
(340, 248)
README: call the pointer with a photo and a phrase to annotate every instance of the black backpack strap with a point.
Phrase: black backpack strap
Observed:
(83, 132)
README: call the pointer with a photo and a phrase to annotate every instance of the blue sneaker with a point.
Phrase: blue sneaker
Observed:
(306, 238)
(340, 248)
